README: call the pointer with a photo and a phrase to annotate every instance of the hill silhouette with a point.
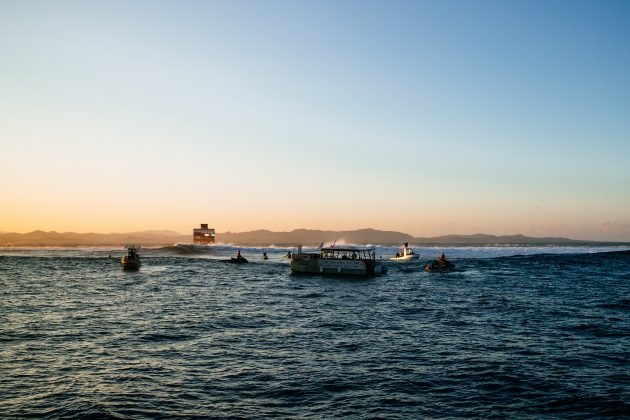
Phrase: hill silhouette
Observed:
(373, 236)
(52, 238)
(264, 237)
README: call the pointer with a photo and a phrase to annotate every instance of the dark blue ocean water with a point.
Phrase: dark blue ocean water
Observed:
(534, 335)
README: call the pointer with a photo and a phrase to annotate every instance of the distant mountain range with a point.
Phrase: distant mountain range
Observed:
(266, 237)
(52, 238)
(373, 236)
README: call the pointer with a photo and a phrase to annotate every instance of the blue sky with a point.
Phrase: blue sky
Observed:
(428, 117)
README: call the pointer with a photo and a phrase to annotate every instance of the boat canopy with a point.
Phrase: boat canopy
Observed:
(349, 248)
(349, 253)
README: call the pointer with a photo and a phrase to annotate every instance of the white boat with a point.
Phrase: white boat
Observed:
(405, 254)
(347, 261)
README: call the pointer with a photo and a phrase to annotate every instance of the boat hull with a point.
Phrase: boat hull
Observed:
(406, 258)
(129, 264)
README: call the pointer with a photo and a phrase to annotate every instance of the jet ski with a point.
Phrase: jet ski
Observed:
(239, 259)
(439, 266)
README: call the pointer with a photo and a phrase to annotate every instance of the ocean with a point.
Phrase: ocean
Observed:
(510, 332)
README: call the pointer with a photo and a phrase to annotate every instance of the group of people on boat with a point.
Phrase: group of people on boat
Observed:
(438, 265)
(132, 260)
(406, 254)
(352, 256)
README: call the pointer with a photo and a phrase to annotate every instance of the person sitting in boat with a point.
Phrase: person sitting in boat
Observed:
(289, 254)
(398, 255)
(238, 255)
(265, 256)
(443, 259)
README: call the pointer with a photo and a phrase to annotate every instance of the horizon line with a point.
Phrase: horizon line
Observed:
(308, 229)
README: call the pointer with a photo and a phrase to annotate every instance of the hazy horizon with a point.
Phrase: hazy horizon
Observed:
(605, 232)
(219, 233)
(423, 117)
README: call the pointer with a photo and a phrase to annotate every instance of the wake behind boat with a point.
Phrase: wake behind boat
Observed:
(405, 254)
(349, 261)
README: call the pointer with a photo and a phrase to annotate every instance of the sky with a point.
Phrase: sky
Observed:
(426, 117)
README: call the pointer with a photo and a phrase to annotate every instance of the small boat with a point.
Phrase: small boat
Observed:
(132, 260)
(345, 261)
(405, 254)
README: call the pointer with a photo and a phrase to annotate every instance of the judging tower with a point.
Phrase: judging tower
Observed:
(203, 235)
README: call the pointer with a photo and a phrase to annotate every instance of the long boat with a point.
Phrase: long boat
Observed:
(333, 260)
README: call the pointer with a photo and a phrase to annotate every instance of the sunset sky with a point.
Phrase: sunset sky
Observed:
(427, 117)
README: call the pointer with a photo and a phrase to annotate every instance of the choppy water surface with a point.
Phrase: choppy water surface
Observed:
(189, 335)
